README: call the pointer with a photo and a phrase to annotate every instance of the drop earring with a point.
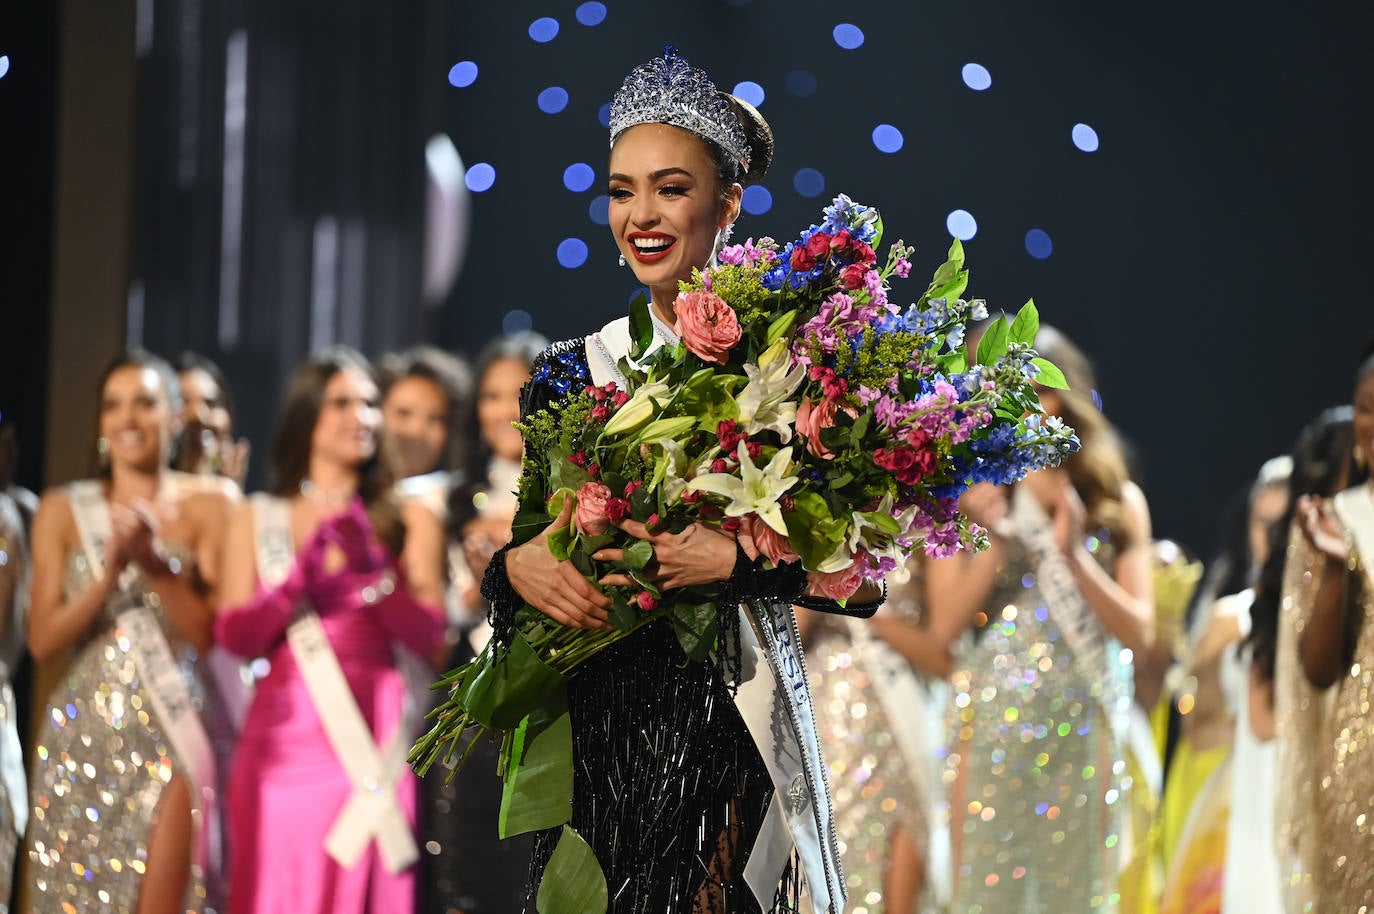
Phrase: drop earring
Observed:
(1360, 458)
(622, 260)
(102, 450)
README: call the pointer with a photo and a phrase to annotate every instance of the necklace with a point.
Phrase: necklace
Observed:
(329, 497)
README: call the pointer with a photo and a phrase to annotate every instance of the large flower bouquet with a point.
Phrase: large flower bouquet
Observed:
(801, 410)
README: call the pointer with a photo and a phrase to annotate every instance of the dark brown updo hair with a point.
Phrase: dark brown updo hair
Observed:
(290, 455)
(760, 139)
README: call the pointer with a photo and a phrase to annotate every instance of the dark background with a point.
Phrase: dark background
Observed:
(1210, 256)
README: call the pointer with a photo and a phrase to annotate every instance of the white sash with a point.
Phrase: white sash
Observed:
(157, 667)
(372, 811)
(1355, 507)
(775, 702)
(1076, 621)
(611, 343)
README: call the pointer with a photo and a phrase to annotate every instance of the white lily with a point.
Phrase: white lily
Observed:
(753, 491)
(639, 409)
(675, 479)
(763, 403)
(838, 560)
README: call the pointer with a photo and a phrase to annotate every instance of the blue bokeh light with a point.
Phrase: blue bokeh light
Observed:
(848, 36)
(516, 322)
(572, 252)
(887, 138)
(961, 224)
(578, 176)
(801, 83)
(462, 74)
(642, 290)
(553, 99)
(600, 210)
(757, 200)
(544, 30)
(4, 65)
(603, 114)
(751, 92)
(1085, 138)
(480, 177)
(1038, 244)
(977, 77)
(809, 182)
(591, 13)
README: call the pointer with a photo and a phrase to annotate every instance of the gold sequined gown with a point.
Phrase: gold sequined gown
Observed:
(1034, 767)
(1345, 802)
(878, 788)
(101, 762)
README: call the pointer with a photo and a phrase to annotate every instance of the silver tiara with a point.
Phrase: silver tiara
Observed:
(669, 90)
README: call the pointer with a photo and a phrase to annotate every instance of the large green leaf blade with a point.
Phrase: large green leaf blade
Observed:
(573, 882)
(537, 792)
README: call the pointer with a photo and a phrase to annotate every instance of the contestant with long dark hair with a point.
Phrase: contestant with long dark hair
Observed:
(670, 789)
(125, 569)
(325, 577)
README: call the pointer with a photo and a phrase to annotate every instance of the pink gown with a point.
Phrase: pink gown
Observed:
(287, 786)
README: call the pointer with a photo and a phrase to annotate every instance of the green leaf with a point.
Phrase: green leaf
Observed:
(1026, 325)
(666, 428)
(561, 538)
(877, 231)
(1050, 375)
(641, 325)
(623, 616)
(565, 475)
(573, 882)
(508, 686)
(639, 555)
(994, 343)
(812, 529)
(537, 789)
(885, 523)
(696, 628)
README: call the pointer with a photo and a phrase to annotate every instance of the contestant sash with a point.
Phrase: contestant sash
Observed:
(1079, 626)
(372, 810)
(1355, 507)
(157, 667)
(775, 702)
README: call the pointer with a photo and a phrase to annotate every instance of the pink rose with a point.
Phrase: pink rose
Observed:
(811, 419)
(757, 538)
(646, 601)
(590, 516)
(707, 325)
(838, 585)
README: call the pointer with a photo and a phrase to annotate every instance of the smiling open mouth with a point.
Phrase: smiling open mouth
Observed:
(652, 248)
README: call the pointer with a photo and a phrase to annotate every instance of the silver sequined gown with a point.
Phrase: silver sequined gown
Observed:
(100, 764)
(13, 579)
(1041, 787)
(877, 788)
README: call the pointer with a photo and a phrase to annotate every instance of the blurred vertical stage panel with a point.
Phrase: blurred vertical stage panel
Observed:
(280, 182)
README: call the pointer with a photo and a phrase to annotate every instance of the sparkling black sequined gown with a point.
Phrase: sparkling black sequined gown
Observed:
(668, 787)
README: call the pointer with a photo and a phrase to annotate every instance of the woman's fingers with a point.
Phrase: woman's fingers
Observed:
(635, 529)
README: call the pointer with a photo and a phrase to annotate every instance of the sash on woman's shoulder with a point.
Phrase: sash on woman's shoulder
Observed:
(372, 811)
(158, 669)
